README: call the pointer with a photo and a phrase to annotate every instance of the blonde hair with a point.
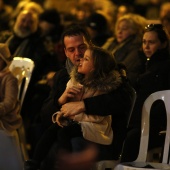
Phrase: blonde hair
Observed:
(34, 25)
(34, 7)
(137, 23)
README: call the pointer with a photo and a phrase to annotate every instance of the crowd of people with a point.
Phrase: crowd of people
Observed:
(87, 61)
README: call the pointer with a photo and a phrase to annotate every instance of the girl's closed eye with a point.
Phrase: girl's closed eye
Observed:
(86, 58)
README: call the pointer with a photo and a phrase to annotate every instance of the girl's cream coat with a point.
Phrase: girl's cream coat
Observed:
(96, 128)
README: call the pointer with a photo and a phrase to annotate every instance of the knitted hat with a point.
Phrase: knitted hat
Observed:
(97, 22)
(50, 15)
(5, 53)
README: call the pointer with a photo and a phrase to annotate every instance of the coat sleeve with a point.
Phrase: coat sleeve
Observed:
(50, 105)
(88, 118)
(9, 96)
(116, 102)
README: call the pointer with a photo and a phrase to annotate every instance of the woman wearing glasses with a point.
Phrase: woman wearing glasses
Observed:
(155, 77)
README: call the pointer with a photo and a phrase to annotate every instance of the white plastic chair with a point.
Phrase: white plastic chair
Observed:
(140, 163)
(22, 69)
(105, 164)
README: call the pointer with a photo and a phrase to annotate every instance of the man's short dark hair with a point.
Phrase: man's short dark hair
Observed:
(75, 29)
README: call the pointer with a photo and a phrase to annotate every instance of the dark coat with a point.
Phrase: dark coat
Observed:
(156, 77)
(127, 53)
(50, 105)
(100, 39)
(118, 102)
(10, 118)
(33, 47)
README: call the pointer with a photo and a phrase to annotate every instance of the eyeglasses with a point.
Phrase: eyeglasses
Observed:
(151, 27)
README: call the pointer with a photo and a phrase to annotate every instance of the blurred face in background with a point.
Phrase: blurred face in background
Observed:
(164, 9)
(26, 24)
(122, 10)
(46, 27)
(123, 30)
(151, 43)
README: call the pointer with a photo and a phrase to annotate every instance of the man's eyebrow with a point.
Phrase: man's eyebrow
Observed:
(70, 47)
(77, 46)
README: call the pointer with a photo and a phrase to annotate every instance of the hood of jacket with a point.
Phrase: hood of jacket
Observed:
(107, 83)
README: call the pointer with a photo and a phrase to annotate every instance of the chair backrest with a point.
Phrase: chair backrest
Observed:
(133, 100)
(22, 69)
(165, 97)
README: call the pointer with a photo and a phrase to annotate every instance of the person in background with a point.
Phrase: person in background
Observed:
(155, 77)
(27, 5)
(10, 118)
(5, 15)
(128, 38)
(123, 9)
(50, 33)
(97, 27)
(33, 7)
(84, 160)
(165, 20)
(82, 11)
(152, 9)
(51, 30)
(164, 9)
(25, 41)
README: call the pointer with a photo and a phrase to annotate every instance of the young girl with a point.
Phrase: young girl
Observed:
(94, 76)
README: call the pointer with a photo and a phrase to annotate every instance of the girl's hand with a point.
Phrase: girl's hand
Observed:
(72, 108)
(58, 118)
(69, 93)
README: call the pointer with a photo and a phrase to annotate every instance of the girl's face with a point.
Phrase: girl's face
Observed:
(2, 64)
(86, 63)
(123, 31)
(151, 43)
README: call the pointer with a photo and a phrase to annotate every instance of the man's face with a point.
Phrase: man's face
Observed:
(75, 47)
(26, 24)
